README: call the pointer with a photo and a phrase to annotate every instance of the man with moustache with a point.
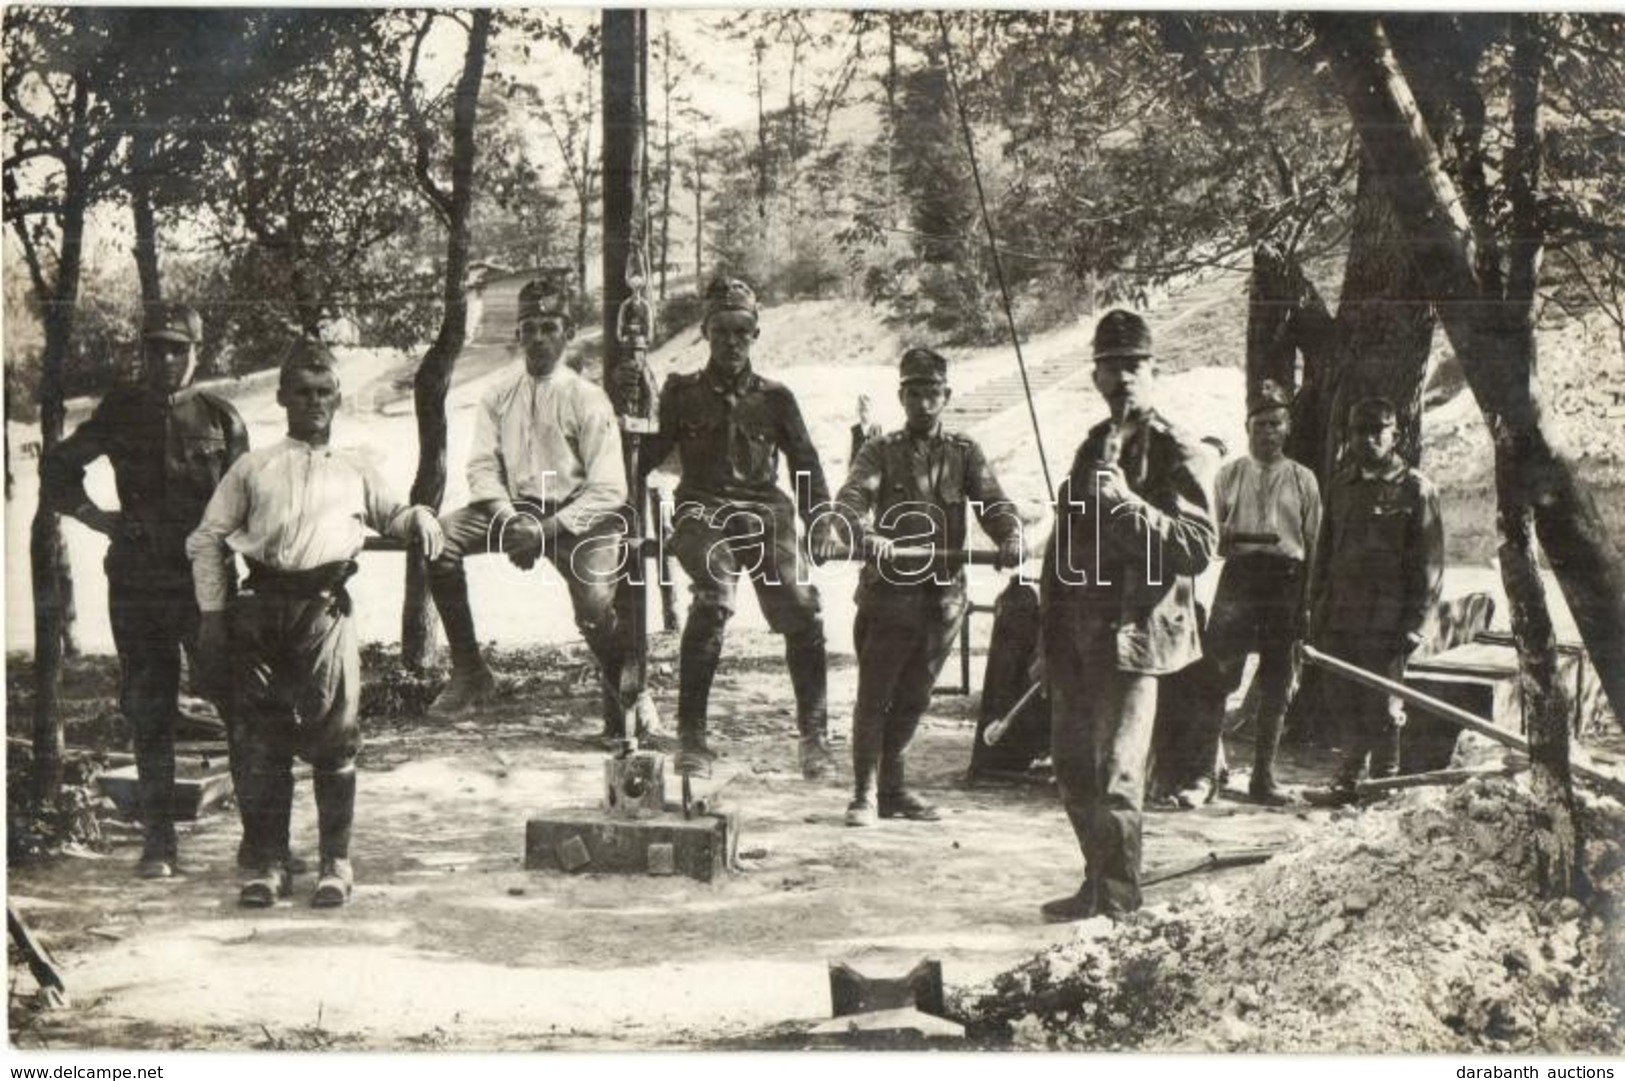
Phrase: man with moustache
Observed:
(286, 644)
(916, 484)
(545, 478)
(1375, 584)
(729, 426)
(169, 443)
(1134, 526)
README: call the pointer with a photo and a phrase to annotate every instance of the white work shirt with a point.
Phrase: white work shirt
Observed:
(548, 440)
(1281, 498)
(292, 507)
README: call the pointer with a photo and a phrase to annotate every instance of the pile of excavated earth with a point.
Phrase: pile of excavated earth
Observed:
(1415, 925)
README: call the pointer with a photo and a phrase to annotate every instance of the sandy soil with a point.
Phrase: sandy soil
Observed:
(450, 942)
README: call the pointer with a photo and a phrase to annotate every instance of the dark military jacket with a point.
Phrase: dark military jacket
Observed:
(916, 491)
(168, 453)
(1132, 576)
(729, 435)
(1379, 564)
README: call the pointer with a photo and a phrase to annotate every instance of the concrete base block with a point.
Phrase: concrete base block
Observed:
(701, 848)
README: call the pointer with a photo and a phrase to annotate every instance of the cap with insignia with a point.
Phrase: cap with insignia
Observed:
(1122, 335)
(545, 298)
(729, 295)
(310, 353)
(1373, 413)
(172, 322)
(1270, 395)
(920, 365)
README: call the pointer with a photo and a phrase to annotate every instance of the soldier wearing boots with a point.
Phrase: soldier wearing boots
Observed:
(1375, 583)
(1261, 597)
(286, 644)
(729, 427)
(1134, 526)
(913, 484)
(546, 478)
(169, 444)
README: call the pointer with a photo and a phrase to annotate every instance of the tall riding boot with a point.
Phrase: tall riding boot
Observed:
(805, 656)
(335, 813)
(896, 801)
(155, 772)
(471, 681)
(700, 654)
(266, 800)
(1262, 787)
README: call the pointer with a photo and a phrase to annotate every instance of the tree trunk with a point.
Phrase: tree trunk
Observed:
(1496, 358)
(144, 219)
(699, 223)
(52, 576)
(666, 86)
(433, 379)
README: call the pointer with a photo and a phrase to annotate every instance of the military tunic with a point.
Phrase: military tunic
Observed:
(1118, 610)
(914, 491)
(168, 453)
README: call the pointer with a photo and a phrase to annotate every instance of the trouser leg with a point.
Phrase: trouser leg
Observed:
(468, 532)
(713, 572)
(880, 661)
(1127, 712)
(147, 635)
(591, 566)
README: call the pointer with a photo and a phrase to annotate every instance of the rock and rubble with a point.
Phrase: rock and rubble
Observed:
(1414, 925)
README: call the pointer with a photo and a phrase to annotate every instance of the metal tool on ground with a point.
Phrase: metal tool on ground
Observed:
(1213, 861)
(1614, 786)
(1436, 777)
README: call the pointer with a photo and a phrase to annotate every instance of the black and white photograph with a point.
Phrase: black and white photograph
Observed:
(814, 530)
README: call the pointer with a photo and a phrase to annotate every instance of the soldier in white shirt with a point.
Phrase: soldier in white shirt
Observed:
(286, 645)
(1261, 599)
(546, 478)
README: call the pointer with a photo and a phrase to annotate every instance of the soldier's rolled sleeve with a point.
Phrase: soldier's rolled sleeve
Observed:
(206, 545)
(1424, 568)
(994, 510)
(802, 456)
(603, 493)
(487, 479)
(1186, 534)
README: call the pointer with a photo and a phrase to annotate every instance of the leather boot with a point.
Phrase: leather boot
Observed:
(861, 811)
(335, 814)
(896, 801)
(808, 662)
(700, 653)
(266, 801)
(1385, 751)
(156, 785)
(1261, 787)
(471, 681)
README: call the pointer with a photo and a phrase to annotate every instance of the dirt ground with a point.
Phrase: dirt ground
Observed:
(451, 943)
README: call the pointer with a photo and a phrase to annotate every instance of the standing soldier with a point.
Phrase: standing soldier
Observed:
(295, 511)
(1375, 584)
(169, 444)
(729, 426)
(545, 478)
(1134, 525)
(913, 484)
(1262, 591)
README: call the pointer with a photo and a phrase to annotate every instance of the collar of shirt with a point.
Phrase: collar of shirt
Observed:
(1392, 469)
(731, 386)
(289, 442)
(932, 436)
(561, 373)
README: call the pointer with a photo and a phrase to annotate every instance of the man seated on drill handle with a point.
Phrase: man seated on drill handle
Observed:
(915, 486)
(286, 645)
(729, 427)
(546, 478)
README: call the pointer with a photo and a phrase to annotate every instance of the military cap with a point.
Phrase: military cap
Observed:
(920, 365)
(308, 355)
(1271, 395)
(729, 295)
(172, 322)
(1373, 412)
(1122, 335)
(545, 298)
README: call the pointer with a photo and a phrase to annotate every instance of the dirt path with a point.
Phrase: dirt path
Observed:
(451, 943)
